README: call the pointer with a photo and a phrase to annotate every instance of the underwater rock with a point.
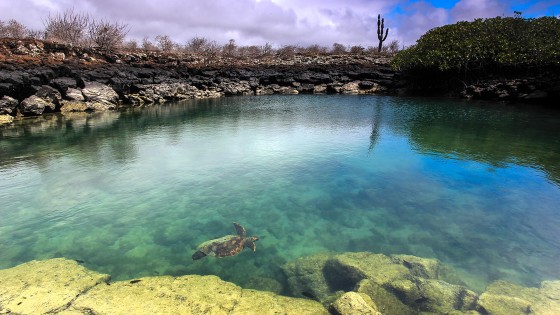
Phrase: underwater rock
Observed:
(352, 303)
(504, 298)
(398, 284)
(40, 287)
(306, 278)
(433, 296)
(386, 301)
(263, 284)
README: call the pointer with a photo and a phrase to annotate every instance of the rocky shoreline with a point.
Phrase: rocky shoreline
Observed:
(38, 77)
(346, 283)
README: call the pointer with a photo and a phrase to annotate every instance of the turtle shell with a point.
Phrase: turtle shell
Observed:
(228, 245)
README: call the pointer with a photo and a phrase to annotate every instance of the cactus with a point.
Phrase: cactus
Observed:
(380, 27)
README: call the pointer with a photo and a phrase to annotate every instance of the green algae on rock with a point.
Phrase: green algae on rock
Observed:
(354, 303)
(191, 294)
(61, 286)
(398, 284)
(45, 286)
(504, 298)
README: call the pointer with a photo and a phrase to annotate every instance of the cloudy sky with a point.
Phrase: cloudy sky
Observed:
(278, 22)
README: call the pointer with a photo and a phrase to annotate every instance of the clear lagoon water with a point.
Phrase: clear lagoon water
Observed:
(132, 193)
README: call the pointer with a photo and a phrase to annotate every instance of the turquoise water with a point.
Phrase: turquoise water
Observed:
(132, 193)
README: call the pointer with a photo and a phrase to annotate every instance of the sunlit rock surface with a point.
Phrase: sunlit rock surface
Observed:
(61, 286)
(6, 119)
(39, 287)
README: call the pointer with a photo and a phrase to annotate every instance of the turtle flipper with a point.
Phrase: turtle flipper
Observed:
(251, 242)
(240, 229)
(198, 254)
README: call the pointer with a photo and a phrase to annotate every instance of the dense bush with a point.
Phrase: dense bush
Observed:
(485, 44)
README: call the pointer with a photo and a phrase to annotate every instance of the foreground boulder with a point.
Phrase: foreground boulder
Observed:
(40, 287)
(61, 286)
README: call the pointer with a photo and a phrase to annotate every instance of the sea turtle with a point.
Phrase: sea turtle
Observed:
(228, 245)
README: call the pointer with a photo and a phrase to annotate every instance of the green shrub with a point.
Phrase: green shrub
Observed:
(485, 44)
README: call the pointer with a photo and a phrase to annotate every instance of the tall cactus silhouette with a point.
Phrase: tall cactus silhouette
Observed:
(380, 27)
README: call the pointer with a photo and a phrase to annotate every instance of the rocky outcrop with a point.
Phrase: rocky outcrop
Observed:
(398, 284)
(349, 283)
(503, 298)
(367, 283)
(61, 286)
(105, 82)
(108, 87)
(526, 89)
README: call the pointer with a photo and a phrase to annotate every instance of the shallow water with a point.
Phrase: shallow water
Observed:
(476, 185)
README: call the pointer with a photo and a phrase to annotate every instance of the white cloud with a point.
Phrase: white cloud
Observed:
(467, 10)
(279, 22)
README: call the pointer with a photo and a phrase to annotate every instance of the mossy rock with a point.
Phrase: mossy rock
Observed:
(352, 303)
(306, 278)
(387, 302)
(190, 294)
(40, 287)
(73, 106)
(263, 284)
(379, 268)
(61, 286)
(501, 298)
(398, 284)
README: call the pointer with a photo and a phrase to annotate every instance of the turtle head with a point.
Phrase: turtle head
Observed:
(198, 254)
(251, 242)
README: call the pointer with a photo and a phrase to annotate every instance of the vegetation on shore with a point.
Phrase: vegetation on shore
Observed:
(485, 46)
(82, 30)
